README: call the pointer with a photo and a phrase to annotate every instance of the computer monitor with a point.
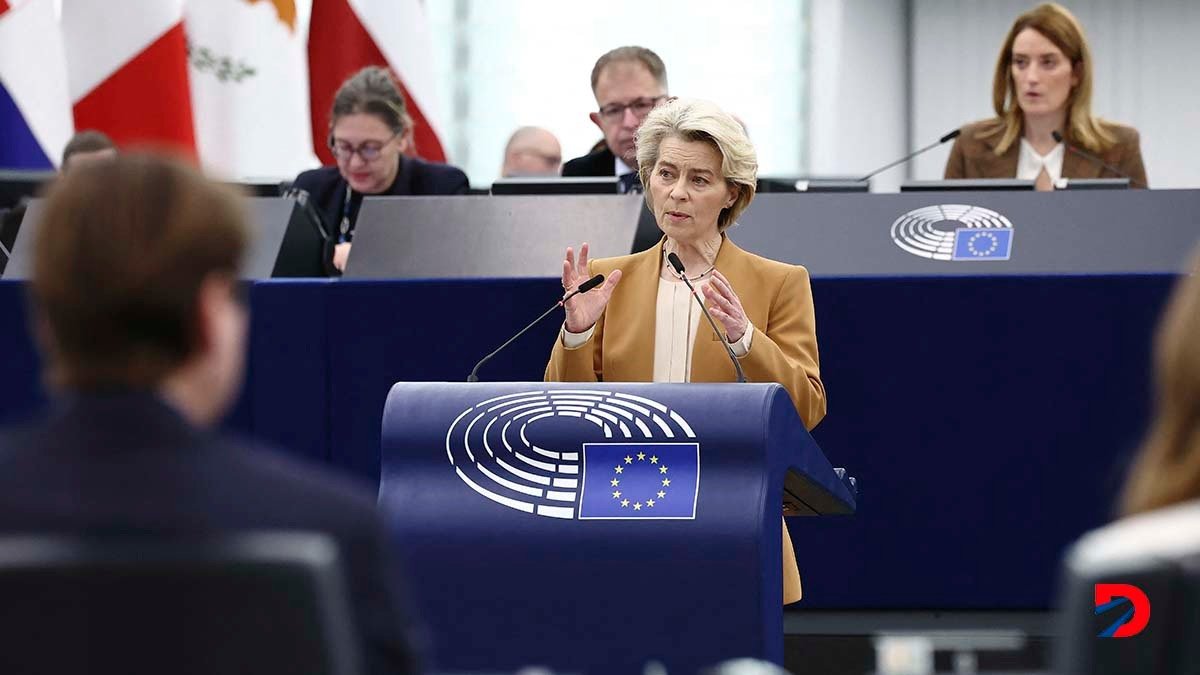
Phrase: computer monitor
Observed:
(17, 185)
(1092, 184)
(305, 250)
(582, 185)
(966, 185)
(803, 184)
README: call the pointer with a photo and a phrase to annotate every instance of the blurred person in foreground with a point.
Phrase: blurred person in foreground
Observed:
(531, 152)
(699, 170)
(1043, 84)
(136, 310)
(627, 83)
(370, 136)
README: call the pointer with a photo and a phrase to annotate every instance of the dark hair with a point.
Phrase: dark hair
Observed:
(86, 141)
(372, 91)
(120, 255)
(631, 53)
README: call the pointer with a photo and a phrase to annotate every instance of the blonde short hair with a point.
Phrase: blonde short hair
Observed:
(696, 120)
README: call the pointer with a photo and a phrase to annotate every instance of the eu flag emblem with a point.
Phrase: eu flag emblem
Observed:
(975, 243)
(640, 480)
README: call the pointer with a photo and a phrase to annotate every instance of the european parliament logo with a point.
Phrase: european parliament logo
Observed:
(578, 454)
(954, 232)
(640, 480)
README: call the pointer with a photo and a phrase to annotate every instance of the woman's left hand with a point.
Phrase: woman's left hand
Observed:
(725, 306)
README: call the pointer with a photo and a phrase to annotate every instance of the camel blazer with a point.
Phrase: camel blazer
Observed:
(972, 157)
(777, 299)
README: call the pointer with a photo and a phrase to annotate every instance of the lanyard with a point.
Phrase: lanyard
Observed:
(344, 230)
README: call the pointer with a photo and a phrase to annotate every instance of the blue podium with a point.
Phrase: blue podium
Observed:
(593, 528)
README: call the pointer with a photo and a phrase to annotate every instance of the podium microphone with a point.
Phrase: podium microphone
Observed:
(677, 265)
(583, 288)
(1058, 138)
(948, 137)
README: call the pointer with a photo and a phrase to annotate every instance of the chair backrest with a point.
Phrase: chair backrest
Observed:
(1158, 555)
(258, 603)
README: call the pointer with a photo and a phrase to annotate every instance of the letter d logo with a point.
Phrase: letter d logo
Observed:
(1132, 621)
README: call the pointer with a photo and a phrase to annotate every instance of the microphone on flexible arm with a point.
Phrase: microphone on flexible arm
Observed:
(583, 288)
(1058, 138)
(677, 265)
(948, 137)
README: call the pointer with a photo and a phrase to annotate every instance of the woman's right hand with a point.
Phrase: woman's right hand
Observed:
(584, 309)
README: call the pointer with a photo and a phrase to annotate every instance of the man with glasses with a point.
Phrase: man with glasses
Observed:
(627, 82)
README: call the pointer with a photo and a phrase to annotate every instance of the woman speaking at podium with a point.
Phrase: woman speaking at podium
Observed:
(1043, 86)
(698, 169)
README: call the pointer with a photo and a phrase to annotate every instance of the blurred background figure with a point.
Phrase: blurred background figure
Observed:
(86, 147)
(138, 315)
(627, 82)
(370, 134)
(1043, 86)
(531, 151)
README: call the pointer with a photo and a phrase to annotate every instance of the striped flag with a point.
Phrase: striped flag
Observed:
(127, 67)
(35, 107)
(347, 35)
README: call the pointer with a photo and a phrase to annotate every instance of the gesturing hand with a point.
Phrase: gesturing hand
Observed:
(725, 306)
(584, 309)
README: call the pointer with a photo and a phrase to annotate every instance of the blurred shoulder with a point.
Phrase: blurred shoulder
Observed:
(980, 135)
(1124, 134)
(627, 263)
(438, 178)
(316, 178)
(1156, 534)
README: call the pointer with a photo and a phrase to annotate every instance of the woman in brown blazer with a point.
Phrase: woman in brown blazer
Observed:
(1043, 85)
(699, 171)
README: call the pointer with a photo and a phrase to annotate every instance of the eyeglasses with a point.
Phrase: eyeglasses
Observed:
(369, 151)
(613, 112)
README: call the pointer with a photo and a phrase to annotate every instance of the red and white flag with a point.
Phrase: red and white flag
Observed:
(127, 71)
(347, 35)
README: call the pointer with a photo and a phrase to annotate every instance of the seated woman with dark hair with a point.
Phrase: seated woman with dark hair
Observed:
(1043, 85)
(370, 134)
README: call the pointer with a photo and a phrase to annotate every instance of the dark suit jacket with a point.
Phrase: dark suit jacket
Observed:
(973, 157)
(599, 163)
(327, 188)
(126, 463)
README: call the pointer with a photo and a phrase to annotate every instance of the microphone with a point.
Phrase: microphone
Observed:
(583, 288)
(1058, 138)
(677, 264)
(948, 137)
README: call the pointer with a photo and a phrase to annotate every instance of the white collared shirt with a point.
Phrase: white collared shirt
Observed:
(1030, 163)
(620, 167)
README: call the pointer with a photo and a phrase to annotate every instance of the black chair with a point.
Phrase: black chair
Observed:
(236, 603)
(1170, 579)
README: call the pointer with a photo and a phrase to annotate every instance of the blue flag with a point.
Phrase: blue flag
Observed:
(640, 480)
(976, 243)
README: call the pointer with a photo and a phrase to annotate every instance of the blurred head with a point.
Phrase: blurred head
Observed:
(532, 151)
(86, 147)
(369, 129)
(698, 168)
(1166, 470)
(135, 283)
(627, 82)
(1044, 68)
